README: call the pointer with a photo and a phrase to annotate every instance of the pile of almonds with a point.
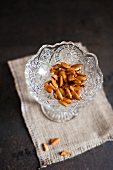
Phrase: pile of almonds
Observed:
(53, 142)
(66, 82)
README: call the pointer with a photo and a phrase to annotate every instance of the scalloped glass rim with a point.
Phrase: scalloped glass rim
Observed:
(37, 72)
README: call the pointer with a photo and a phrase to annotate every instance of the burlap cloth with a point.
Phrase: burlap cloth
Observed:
(92, 127)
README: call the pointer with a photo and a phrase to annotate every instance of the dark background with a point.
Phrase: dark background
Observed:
(24, 27)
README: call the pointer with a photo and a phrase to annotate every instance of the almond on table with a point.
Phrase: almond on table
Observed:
(66, 82)
(45, 146)
(64, 153)
(54, 141)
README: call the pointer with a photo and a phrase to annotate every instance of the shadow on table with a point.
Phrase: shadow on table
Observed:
(108, 87)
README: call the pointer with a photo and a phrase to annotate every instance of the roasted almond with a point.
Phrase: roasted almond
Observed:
(63, 73)
(75, 75)
(54, 82)
(53, 87)
(82, 78)
(64, 153)
(75, 95)
(78, 87)
(66, 82)
(55, 77)
(72, 88)
(77, 82)
(70, 70)
(45, 146)
(61, 81)
(54, 141)
(48, 87)
(66, 100)
(63, 103)
(71, 78)
(68, 93)
(59, 94)
(52, 70)
(77, 66)
(56, 72)
(65, 65)
(66, 85)
(56, 66)
(62, 92)
(81, 74)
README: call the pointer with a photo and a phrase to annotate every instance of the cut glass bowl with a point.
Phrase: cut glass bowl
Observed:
(37, 72)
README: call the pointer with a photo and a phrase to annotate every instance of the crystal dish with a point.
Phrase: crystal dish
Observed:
(37, 72)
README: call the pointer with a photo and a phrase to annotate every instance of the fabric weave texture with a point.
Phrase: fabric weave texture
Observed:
(90, 128)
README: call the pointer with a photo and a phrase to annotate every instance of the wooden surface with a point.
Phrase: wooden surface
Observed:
(24, 27)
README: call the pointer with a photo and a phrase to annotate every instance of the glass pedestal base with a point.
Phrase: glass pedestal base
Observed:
(58, 116)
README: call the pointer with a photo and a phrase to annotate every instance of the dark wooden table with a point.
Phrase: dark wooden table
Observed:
(24, 27)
